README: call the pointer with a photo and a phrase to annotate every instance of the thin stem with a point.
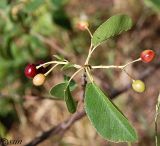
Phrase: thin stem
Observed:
(89, 75)
(107, 67)
(128, 75)
(51, 69)
(115, 66)
(90, 48)
(89, 55)
(124, 66)
(89, 32)
(129, 144)
(56, 62)
(74, 74)
(51, 62)
(155, 121)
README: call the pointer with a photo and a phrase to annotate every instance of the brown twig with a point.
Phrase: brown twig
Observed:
(57, 129)
(79, 115)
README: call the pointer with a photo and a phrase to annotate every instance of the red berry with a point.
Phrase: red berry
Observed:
(147, 56)
(30, 70)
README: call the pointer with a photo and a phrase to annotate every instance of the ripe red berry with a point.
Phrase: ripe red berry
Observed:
(30, 70)
(147, 56)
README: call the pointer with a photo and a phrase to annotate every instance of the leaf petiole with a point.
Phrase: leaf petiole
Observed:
(74, 75)
(51, 69)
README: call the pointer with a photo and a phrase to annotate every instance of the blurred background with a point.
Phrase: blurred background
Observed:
(35, 30)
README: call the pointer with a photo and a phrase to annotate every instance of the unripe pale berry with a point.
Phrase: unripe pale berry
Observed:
(82, 25)
(147, 56)
(39, 79)
(138, 86)
(30, 70)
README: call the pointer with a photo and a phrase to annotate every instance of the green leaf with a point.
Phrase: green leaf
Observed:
(71, 104)
(59, 3)
(3, 4)
(154, 4)
(67, 66)
(72, 84)
(57, 91)
(109, 122)
(3, 130)
(33, 5)
(113, 26)
(59, 58)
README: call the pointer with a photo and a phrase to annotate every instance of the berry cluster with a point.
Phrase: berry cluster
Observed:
(38, 75)
(146, 56)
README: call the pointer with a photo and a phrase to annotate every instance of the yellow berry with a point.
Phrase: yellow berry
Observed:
(138, 86)
(39, 79)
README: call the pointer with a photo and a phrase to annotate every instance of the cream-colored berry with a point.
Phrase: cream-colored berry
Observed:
(39, 79)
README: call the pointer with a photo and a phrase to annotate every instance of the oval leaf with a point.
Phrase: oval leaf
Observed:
(71, 104)
(72, 84)
(113, 26)
(57, 91)
(109, 122)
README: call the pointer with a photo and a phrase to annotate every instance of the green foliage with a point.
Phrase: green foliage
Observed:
(58, 90)
(62, 91)
(18, 46)
(2, 130)
(59, 3)
(67, 66)
(71, 104)
(112, 27)
(154, 4)
(109, 122)
(7, 111)
(6, 107)
(72, 84)
(59, 58)
(33, 5)
(3, 4)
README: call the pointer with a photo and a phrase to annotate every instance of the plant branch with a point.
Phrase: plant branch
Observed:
(79, 115)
